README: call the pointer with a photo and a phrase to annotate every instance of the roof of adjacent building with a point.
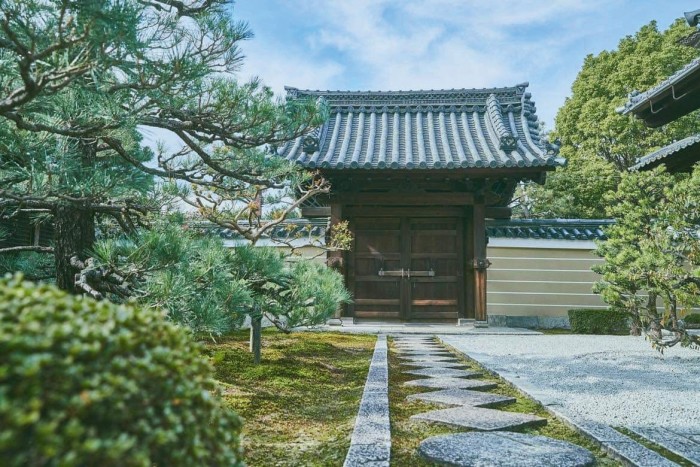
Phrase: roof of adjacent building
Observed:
(679, 155)
(444, 129)
(549, 229)
(672, 98)
(556, 229)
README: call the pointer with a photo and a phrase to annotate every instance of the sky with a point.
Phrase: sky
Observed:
(381, 45)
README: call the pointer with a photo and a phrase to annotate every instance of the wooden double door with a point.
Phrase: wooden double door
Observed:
(407, 268)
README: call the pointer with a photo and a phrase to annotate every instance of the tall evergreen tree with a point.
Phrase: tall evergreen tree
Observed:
(599, 143)
(79, 83)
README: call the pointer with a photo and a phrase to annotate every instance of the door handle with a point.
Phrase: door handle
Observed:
(395, 273)
(428, 273)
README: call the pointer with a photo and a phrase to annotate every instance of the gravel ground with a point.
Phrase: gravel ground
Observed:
(616, 380)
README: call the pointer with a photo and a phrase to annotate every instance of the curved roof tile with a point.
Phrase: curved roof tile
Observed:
(458, 128)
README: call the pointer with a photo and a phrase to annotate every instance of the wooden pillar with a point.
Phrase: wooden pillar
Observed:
(335, 259)
(480, 262)
(467, 267)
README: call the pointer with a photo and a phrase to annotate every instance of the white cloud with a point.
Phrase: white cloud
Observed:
(430, 44)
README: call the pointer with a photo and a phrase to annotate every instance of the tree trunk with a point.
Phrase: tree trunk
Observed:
(74, 233)
(256, 337)
(74, 226)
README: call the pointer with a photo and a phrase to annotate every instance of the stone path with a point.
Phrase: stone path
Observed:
(596, 383)
(683, 444)
(462, 397)
(371, 439)
(456, 388)
(503, 450)
(470, 407)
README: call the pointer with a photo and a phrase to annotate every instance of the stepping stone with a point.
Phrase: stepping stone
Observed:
(462, 397)
(679, 444)
(503, 450)
(477, 418)
(419, 345)
(442, 372)
(428, 358)
(435, 364)
(450, 383)
(425, 353)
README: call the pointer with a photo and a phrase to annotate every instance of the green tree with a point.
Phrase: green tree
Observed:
(599, 143)
(80, 81)
(652, 253)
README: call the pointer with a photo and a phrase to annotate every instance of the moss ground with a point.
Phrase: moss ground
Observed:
(407, 434)
(299, 405)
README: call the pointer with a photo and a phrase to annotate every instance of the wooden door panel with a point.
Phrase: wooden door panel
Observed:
(435, 248)
(430, 248)
(377, 248)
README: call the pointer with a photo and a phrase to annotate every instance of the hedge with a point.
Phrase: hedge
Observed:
(598, 321)
(692, 320)
(93, 383)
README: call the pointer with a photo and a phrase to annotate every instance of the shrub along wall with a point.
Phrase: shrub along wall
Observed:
(596, 321)
(92, 383)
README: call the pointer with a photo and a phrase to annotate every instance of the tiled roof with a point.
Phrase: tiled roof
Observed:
(659, 156)
(559, 229)
(465, 128)
(639, 101)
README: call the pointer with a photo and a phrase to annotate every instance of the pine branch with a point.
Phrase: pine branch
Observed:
(35, 248)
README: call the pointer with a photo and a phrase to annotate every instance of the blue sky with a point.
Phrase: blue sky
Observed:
(439, 44)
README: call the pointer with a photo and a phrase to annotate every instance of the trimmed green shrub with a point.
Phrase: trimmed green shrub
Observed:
(596, 321)
(692, 320)
(93, 383)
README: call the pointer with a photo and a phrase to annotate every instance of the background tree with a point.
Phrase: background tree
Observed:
(653, 253)
(597, 142)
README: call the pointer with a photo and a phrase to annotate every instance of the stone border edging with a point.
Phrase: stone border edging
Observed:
(371, 438)
(618, 445)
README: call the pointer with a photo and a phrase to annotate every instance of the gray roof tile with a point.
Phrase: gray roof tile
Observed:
(666, 151)
(459, 128)
(639, 100)
(558, 229)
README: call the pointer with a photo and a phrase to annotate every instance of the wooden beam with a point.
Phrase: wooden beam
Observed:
(498, 212)
(358, 211)
(405, 199)
(311, 212)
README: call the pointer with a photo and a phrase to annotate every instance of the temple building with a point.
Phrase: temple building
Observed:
(676, 96)
(417, 174)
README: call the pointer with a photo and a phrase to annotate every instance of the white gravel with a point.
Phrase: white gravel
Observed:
(616, 380)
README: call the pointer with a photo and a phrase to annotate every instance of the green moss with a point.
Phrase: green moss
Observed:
(407, 435)
(299, 405)
(596, 321)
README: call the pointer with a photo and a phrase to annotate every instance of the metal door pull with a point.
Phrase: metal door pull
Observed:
(429, 273)
(396, 273)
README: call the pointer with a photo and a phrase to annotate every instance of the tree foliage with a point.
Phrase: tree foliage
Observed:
(652, 253)
(82, 81)
(599, 143)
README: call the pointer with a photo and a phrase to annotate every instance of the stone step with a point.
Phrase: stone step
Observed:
(435, 364)
(463, 397)
(418, 353)
(503, 450)
(428, 358)
(450, 383)
(477, 418)
(442, 372)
